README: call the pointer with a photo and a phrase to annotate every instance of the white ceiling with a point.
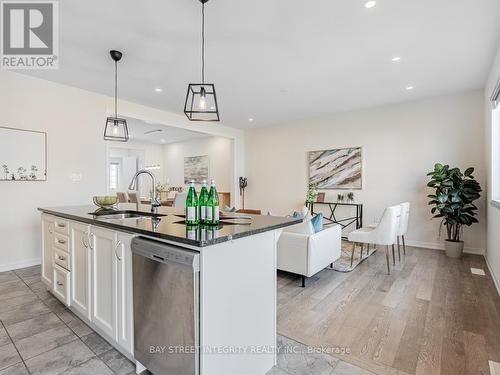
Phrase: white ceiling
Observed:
(158, 133)
(277, 60)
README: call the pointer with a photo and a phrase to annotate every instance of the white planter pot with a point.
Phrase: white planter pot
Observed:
(454, 249)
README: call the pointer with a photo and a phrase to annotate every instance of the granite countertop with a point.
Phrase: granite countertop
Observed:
(171, 226)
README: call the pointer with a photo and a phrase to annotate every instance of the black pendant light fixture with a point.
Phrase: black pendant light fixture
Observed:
(116, 128)
(201, 100)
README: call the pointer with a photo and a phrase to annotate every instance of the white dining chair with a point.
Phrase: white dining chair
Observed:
(132, 197)
(403, 226)
(384, 234)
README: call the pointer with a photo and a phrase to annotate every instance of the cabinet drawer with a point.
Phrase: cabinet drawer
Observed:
(61, 242)
(61, 284)
(61, 258)
(61, 226)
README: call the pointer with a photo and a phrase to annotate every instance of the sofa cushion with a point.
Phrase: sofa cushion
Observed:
(317, 222)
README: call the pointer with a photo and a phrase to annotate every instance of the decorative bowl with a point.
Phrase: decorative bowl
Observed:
(107, 202)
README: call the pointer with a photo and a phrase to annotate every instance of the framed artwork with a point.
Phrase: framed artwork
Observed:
(336, 168)
(23, 155)
(196, 168)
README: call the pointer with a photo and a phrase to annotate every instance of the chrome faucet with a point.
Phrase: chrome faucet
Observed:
(155, 203)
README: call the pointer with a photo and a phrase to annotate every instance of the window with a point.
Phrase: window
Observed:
(495, 146)
(113, 176)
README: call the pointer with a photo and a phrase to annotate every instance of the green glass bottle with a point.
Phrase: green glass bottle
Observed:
(192, 206)
(213, 205)
(202, 203)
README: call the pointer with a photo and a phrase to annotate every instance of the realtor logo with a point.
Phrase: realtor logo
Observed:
(29, 37)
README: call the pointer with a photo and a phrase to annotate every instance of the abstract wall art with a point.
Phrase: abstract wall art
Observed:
(23, 155)
(196, 168)
(336, 168)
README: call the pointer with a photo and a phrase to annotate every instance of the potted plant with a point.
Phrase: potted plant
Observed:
(452, 201)
(312, 193)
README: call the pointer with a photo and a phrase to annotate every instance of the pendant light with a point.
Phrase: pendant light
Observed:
(116, 128)
(201, 100)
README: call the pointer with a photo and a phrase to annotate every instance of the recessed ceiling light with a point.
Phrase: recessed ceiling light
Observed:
(396, 59)
(162, 140)
(250, 119)
(370, 4)
(158, 89)
(409, 88)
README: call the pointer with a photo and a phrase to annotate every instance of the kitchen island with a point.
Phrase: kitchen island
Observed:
(228, 326)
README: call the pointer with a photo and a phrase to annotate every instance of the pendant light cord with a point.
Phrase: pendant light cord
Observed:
(116, 89)
(203, 43)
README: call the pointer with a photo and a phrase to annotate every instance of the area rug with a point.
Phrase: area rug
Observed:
(343, 264)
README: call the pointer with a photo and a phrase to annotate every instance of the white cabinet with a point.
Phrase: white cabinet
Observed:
(47, 249)
(80, 255)
(94, 278)
(104, 283)
(125, 293)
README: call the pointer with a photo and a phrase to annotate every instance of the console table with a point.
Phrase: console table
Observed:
(357, 219)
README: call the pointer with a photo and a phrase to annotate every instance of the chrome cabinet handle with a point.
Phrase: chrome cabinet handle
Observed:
(116, 247)
(90, 241)
(61, 258)
(61, 225)
(51, 231)
(60, 283)
(62, 242)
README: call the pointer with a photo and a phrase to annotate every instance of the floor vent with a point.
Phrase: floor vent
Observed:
(478, 271)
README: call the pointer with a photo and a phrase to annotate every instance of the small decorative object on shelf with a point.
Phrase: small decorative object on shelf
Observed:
(312, 192)
(243, 185)
(106, 202)
(340, 197)
(350, 197)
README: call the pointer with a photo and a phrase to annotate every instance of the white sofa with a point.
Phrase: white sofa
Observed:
(303, 252)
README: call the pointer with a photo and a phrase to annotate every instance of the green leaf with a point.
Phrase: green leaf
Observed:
(468, 171)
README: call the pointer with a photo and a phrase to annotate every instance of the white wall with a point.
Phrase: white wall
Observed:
(400, 144)
(220, 154)
(74, 120)
(493, 212)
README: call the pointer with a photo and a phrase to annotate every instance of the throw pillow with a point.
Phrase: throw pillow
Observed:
(317, 222)
(229, 209)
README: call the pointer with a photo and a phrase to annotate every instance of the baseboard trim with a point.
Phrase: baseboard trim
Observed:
(440, 246)
(494, 276)
(17, 265)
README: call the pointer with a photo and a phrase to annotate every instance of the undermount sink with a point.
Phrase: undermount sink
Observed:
(120, 215)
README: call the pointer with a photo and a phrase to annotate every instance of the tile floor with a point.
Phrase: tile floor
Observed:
(39, 335)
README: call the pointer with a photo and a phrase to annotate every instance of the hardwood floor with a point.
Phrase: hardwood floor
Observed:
(430, 316)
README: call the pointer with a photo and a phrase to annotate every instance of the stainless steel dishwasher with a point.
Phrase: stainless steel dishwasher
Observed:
(166, 307)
